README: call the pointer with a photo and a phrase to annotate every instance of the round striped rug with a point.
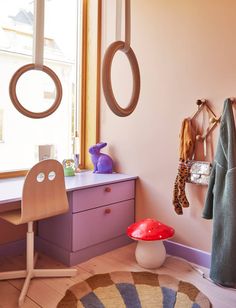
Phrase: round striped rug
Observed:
(133, 290)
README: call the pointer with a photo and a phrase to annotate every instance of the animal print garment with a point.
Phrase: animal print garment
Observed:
(179, 197)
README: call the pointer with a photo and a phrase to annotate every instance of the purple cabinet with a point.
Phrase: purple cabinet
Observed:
(102, 195)
(96, 223)
(101, 224)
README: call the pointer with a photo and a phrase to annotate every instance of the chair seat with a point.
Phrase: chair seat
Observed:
(14, 217)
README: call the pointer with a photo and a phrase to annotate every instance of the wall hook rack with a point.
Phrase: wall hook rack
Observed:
(213, 120)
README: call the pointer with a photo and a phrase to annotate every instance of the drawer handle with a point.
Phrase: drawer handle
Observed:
(108, 189)
(107, 211)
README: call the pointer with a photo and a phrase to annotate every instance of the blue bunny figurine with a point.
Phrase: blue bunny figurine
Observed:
(102, 162)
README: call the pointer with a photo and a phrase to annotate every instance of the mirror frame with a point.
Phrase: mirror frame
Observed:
(106, 79)
(16, 102)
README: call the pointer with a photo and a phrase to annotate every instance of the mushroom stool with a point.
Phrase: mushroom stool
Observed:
(150, 251)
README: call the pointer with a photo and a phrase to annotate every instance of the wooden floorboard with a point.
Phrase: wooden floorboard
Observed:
(47, 292)
(9, 297)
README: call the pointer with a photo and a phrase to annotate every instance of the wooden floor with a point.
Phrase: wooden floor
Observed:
(47, 293)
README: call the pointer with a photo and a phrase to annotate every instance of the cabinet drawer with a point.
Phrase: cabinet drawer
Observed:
(102, 195)
(101, 224)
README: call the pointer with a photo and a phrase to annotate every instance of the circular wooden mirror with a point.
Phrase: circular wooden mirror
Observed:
(49, 79)
(107, 84)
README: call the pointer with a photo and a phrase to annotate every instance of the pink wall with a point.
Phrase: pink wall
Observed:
(186, 50)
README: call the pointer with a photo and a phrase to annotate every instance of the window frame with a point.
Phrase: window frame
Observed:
(92, 87)
(89, 117)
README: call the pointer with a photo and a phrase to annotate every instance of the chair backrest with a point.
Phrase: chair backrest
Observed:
(44, 193)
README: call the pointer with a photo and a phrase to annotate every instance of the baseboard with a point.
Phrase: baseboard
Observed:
(190, 254)
(13, 248)
(172, 248)
(71, 258)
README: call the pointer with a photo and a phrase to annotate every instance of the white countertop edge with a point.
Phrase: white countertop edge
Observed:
(11, 188)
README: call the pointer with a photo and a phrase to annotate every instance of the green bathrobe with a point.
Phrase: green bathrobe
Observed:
(221, 202)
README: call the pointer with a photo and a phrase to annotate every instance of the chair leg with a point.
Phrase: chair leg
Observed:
(29, 258)
(30, 271)
(61, 272)
(29, 262)
(24, 289)
(30, 248)
(13, 275)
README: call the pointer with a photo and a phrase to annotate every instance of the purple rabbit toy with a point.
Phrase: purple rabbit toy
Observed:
(102, 162)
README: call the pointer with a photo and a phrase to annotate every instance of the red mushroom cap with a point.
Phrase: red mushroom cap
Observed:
(149, 230)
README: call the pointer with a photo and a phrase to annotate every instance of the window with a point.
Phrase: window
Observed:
(21, 138)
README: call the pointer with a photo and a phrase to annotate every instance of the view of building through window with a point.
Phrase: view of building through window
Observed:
(21, 137)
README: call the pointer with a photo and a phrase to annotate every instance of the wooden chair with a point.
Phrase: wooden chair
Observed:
(43, 196)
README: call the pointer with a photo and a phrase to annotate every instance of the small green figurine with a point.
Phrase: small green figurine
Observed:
(69, 167)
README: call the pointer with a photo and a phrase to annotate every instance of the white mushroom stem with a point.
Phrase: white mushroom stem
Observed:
(150, 254)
